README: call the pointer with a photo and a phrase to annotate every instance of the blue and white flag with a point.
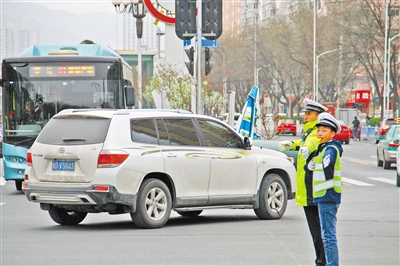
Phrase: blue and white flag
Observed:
(246, 123)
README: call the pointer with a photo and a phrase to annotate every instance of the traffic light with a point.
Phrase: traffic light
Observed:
(185, 19)
(212, 19)
(208, 65)
(190, 64)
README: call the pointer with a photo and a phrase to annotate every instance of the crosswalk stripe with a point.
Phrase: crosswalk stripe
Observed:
(355, 182)
(385, 180)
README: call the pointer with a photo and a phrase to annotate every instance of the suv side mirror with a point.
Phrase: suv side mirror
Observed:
(129, 96)
(247, 143)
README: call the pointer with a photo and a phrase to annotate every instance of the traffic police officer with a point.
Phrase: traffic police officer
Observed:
(306, 146)
(327, 183)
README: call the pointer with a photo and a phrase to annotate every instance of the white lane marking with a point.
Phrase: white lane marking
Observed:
(355, 182)
(384, 180)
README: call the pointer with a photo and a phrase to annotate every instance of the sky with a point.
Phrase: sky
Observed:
(75, 6)
(82, 6)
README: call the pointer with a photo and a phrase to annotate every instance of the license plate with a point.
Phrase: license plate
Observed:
(60, 165)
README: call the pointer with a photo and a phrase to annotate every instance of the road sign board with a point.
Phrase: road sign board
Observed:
(204, 42)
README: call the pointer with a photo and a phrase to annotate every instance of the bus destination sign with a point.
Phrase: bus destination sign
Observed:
(62, 71)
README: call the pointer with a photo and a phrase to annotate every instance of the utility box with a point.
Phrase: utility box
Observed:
(346, 114)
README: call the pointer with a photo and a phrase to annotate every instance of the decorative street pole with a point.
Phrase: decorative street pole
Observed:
(387, 91)
(316, 72)
(138, 11)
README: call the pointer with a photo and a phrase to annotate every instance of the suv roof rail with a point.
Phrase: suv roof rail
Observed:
(180, 111)
(69, 111)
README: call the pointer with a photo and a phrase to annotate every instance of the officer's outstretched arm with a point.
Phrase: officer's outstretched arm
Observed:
(296, 144)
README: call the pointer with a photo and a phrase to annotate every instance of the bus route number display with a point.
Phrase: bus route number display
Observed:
(62, 71)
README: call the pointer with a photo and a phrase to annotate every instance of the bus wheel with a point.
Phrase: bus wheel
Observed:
(18, 185)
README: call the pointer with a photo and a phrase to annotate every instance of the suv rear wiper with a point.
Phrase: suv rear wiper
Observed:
(69, 140)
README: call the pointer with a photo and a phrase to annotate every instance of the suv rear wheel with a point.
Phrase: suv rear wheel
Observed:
(65, 217)
(154, 204)
(273, 198)
(189, 214)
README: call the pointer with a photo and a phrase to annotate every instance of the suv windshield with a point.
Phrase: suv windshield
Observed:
(64, 131)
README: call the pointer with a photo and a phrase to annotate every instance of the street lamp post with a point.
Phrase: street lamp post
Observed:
(386, 93)
(138, 11)
(159, 34)
(163, 92)
(316, 74)
(258, 68)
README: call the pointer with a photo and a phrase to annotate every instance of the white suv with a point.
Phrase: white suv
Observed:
(149, 162)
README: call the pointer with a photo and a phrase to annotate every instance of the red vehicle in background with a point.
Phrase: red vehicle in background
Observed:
(383, 127)
(286, 126)
(344, 135)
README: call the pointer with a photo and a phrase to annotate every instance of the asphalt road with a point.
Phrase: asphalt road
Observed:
(368, 230)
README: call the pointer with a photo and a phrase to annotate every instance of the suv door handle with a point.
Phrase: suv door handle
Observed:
(171, 155)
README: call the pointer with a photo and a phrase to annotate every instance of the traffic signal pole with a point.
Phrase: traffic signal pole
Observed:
(199, 37)
(208, 23)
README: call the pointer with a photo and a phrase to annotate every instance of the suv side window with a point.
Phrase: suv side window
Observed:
(162, 132)
(144, 131)
(181, 131)
(217, 135)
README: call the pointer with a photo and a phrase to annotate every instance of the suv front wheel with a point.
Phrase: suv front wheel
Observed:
(273, 198)
(154, 204)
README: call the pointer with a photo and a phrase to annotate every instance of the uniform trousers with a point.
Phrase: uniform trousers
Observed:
(314, 225)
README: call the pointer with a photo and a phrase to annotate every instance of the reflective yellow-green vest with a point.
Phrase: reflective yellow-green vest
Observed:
(320, 184)
(311, 142)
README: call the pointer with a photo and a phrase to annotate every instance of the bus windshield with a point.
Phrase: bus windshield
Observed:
(34, 92)
(46, 79)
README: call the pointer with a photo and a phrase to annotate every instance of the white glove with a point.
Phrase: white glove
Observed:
(311, 165)
(326, 161)
(305, 152)
(285, 145)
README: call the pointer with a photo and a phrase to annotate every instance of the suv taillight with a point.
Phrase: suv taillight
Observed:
(111, 158)
(29, 158)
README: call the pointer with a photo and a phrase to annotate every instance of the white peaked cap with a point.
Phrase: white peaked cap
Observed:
(326, 119)
(314, 106)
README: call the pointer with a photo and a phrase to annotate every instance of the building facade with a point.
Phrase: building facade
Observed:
(7, 42)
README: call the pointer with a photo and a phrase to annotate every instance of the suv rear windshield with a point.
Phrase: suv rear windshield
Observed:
(74, 131)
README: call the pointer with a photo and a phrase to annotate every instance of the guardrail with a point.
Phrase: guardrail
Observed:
(367, 133)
